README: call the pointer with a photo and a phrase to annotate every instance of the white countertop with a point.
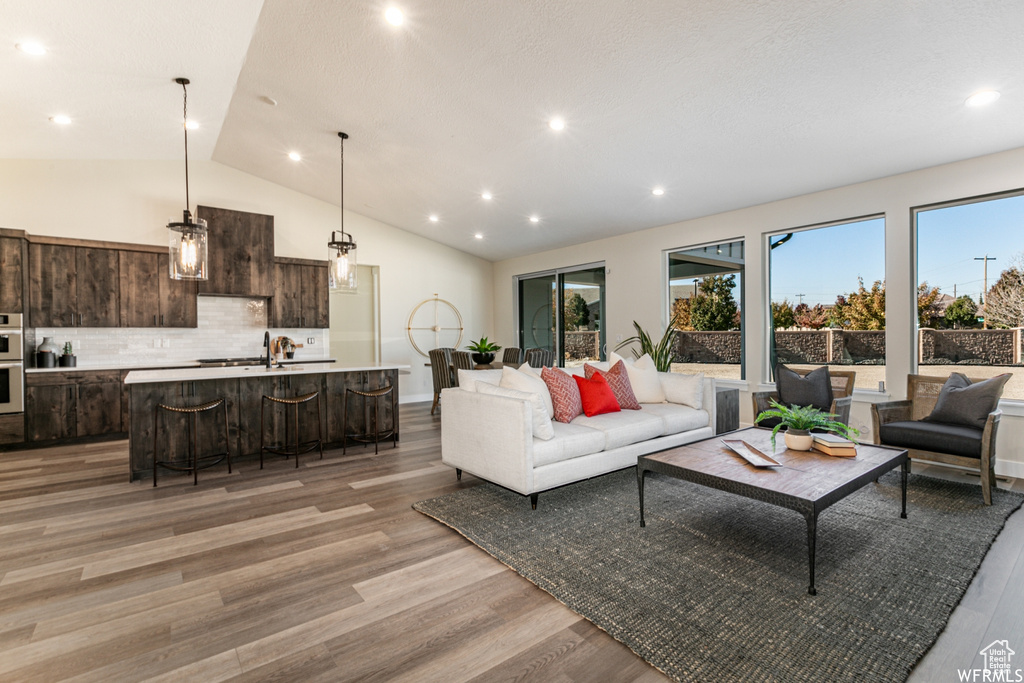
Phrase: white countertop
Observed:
(196, 373)
(167, 365)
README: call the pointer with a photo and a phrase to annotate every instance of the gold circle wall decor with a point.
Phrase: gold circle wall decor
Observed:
(434, 323)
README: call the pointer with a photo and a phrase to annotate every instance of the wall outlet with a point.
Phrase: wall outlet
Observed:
(311, 340)
(618, 337)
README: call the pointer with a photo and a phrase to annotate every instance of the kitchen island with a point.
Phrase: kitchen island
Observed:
(243, 388)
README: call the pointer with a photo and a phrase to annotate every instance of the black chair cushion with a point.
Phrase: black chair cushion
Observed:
(933, 436)
(963, 403)
(814, 389)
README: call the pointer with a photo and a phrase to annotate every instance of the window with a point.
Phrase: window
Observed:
(705, 294)
(970, 260)
(563, 310)
(827, 295)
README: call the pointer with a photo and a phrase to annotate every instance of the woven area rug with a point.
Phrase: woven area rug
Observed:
(715, 587)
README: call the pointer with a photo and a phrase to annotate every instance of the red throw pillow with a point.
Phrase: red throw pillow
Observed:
(565, 395)
(596, 395)
(618, 380)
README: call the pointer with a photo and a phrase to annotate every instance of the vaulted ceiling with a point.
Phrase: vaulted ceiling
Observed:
(722, 103)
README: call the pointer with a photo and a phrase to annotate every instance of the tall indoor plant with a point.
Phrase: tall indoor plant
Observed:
(662, 352)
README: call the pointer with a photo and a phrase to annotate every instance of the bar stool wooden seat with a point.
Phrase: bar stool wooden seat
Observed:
(191, 464)
(376, 395)
(289, 449)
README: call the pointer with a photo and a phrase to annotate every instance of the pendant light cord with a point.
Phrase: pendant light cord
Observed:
(342, 137)
(185, 125)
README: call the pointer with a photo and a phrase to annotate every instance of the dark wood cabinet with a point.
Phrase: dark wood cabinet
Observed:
(241, 253)
(301, 297)
(13, 274)
(149, 297)
(53, 294)
(73, 286)
(66, 405)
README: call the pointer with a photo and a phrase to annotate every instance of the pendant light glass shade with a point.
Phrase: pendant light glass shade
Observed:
(188, 239)
(342, 252)
(188, 249)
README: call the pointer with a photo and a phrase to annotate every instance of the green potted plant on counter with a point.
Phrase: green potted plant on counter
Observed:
(483, 351)
(800, 421)
(68, 360)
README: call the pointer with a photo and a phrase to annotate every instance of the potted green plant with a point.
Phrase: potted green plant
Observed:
(68, 360)
(800, 421)
(483, 351)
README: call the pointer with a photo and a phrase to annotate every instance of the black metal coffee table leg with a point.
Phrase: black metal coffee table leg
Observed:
(812, 533)
(904, 470)
(640, 472)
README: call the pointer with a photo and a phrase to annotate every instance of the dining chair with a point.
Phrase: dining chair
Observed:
(540, 358)
(441, 369)
(461, 360)
(513, 356)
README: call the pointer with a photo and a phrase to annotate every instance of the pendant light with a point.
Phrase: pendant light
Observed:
(342, 253)
(188, 239)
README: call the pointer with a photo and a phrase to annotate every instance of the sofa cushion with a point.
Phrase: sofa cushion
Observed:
(528, 382)
(687, 390)
(618, 380)
(644, 378)
(624, 428)
(565, 395)
(933, 436)
(963, 403)
(541, 422)
(571, 441)
(813, 389)
(597, 397)
(677, 418)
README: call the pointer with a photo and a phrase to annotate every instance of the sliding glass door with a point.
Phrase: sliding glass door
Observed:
(563, 310)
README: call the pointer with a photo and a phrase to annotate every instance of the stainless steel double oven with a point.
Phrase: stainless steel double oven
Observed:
(12, 364)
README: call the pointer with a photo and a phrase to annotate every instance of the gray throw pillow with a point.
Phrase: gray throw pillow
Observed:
(963, 403)
(795, 390)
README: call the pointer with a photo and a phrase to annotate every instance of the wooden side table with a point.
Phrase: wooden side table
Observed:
(727, 405)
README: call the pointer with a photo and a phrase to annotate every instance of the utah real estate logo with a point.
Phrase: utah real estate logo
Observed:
(998, 667)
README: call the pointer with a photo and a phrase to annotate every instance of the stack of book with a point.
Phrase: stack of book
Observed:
(832, 444)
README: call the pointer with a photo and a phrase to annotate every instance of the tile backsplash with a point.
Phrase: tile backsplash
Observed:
(229, 327)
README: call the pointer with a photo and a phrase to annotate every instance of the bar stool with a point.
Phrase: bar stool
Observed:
(297, 449)
(192, 428)
(376, 395)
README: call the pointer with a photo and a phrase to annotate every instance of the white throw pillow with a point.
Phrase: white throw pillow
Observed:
(643, 376)
(541, 426)
(687, 390)
(614, 358)
(528, 382)
(468, 379)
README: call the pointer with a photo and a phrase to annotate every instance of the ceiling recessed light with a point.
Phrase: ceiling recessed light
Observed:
(31, 47)
(487, 195)
(433, 218)
(191, 124)
(394, 16)
(981, 98)
(534, 219)
(294, 156)
(267, 99)
(658, 191)
(478, 236)
(61, 119)
(557, 123)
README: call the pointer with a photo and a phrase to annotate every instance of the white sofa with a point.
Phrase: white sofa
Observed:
(491, 437)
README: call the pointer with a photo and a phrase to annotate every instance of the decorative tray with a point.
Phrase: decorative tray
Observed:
(750, 454)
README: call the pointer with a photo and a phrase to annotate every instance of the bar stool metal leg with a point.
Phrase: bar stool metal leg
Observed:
(292, 444)
(193, 458)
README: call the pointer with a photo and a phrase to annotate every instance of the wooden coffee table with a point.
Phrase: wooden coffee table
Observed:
(808, 481)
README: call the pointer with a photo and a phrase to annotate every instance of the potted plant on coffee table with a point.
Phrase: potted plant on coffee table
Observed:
(483, 351)
(800, 421)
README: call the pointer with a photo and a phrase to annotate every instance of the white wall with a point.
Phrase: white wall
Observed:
(635, 285)
(132, 201)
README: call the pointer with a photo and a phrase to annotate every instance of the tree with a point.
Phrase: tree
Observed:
(963, 312)
(576, 313)
(863, 309)
(783, 316)
(681, 314)
(927, 305)
(713, 306)
(1004, 304)
(815, 318)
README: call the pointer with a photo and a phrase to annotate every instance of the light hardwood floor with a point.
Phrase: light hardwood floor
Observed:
(319, 573)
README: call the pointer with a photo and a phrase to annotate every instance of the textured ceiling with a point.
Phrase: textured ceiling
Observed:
(724, 103)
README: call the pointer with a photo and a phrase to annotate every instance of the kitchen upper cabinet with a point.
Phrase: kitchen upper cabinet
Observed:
(149, 297)
(13, 274)
(241, 253)
(73, 286)
(301, 296)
